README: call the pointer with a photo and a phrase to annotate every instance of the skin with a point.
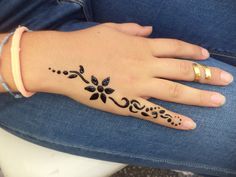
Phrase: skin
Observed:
(137, 67)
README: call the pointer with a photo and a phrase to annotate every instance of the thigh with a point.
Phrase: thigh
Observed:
(208, 23)
(60, 123)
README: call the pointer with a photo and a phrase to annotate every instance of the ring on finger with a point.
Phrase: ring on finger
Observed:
(197, 72)
(207, 71)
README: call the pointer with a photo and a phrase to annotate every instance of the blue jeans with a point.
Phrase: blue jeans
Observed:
(60, 123)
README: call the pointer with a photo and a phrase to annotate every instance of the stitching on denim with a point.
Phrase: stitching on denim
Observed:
(167, 161)
(221, 52)
(80, 2)
(222, 55)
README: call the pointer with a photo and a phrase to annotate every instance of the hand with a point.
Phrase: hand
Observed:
(115, 68)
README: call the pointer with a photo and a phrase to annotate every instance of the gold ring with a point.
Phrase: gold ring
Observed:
(197, 72)
(207, 72)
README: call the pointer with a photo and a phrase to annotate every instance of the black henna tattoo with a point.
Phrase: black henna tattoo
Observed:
(65, 72)
(137, 104)
(126, 104)
(101, 90)
(73, 74)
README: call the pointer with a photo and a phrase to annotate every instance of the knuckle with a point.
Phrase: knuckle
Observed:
(105, 26)
(177, 46)
(195, 51)
(134, 25)
(216, 72)
(149, 45)
(175, 90)
(107, 23)
(177, 43)
(185, 68)
(131, 79)
(144, 47)
(202, 98)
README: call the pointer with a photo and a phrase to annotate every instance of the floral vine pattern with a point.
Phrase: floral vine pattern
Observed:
(104, 92)
(100, 90)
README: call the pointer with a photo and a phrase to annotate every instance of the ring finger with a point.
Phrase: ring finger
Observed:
(183, 70)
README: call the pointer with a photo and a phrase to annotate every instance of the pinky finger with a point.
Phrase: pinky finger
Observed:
(147, 110)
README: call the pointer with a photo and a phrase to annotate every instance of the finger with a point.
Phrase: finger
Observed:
(173, 48)
(147, 110)
(136, 107)
(179, 93)
(131, 28)
(175, 69)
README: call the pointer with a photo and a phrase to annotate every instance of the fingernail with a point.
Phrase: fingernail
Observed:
(148, 27)
(226, 77)
(189, 124)
(218, 99)
(205, 53)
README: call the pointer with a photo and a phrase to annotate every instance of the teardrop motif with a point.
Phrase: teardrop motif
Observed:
(103, 97)
(109, 90)
(90, 88)
(81, 69)
(72, 76)
(106, 81)
(94, 80)
(144, 114)
(94, 96)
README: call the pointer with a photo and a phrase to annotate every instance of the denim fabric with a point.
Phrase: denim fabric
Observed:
(60, 123)
(210, 23)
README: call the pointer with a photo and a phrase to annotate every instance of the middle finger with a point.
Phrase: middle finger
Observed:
(175, 92)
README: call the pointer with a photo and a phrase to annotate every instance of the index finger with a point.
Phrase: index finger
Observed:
(173, 48)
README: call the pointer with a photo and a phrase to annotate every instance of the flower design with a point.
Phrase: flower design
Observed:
(99, 90)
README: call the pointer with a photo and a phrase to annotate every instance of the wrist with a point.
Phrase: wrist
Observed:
(36, 55)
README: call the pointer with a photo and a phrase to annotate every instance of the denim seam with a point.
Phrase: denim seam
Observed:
(221, 52)
(223, 55)
(167, 161)
(80, 2)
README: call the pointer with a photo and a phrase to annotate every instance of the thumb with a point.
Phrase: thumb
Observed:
(131, 28)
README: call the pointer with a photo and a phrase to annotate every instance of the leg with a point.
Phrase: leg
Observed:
(60, 123)
(208, 23)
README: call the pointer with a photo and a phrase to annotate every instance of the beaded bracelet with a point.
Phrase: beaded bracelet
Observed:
(15, 61)
(3, 83)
